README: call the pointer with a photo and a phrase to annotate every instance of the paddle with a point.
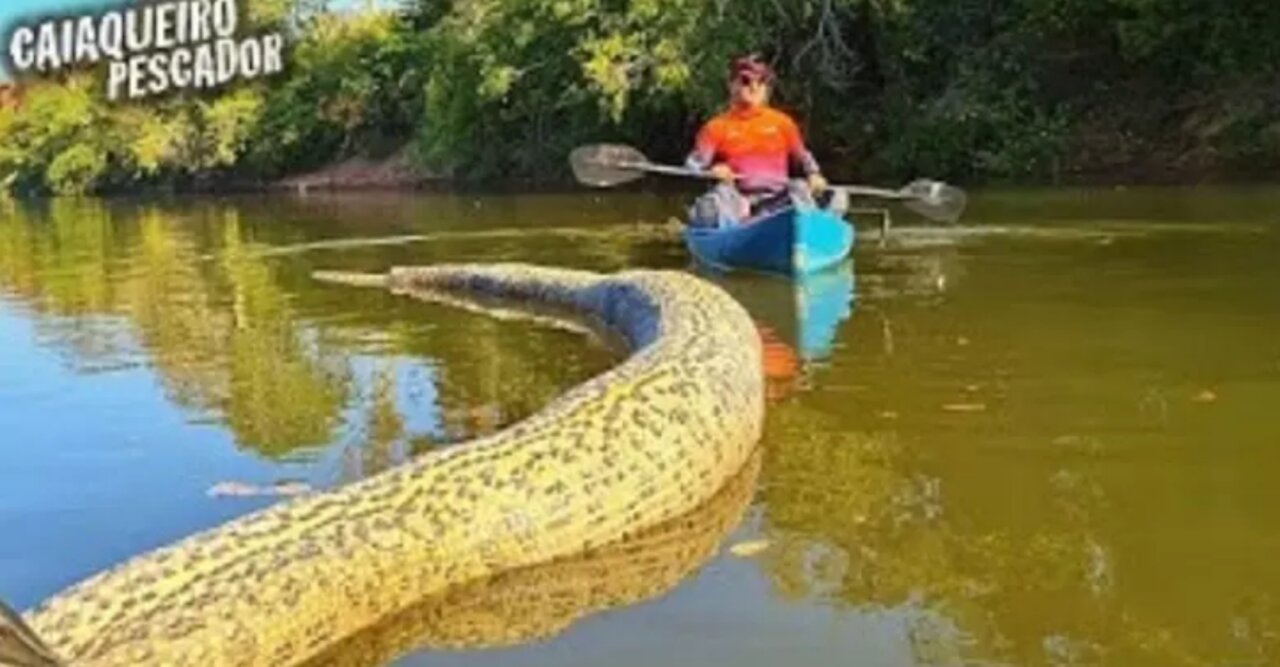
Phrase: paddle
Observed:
(607, 165)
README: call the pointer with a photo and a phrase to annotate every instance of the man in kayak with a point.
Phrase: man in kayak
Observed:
(750, 147)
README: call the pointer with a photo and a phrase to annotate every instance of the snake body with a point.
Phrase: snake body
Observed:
(649, 440)
(540, 602)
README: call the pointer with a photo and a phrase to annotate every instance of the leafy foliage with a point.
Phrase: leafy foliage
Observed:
(487, 89)
(355, 85)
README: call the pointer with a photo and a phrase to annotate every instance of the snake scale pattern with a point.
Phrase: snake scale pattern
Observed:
(537, 603)
(646, 442)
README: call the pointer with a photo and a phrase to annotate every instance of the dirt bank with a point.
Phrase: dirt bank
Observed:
(394, 172)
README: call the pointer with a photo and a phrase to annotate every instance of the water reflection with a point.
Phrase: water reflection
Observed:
(958, 471)
(285, 386)
(804, 312)
(799, 318)
(858, 525)
(234, 337)
(221, 337)
(1042, 441)
(541, 602)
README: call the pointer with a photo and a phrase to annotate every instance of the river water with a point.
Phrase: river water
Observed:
(1048, 436)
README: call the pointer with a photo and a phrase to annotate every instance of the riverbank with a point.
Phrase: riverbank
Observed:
(393, 172)
(1231, 135)
(1224, 134)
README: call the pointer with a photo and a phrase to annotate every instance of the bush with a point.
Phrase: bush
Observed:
(75, 170)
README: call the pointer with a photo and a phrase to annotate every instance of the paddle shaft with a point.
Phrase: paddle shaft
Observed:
(867, 191)
(706, 175)
(665, 169)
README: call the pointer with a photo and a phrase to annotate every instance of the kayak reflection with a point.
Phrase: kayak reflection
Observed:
(799, 318)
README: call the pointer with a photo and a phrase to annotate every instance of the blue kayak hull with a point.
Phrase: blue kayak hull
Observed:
(788, 241)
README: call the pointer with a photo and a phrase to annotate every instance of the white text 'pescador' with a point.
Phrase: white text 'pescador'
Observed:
(151, 48)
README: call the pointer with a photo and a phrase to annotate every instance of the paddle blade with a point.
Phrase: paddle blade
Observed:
(606, 165)
(935, 200)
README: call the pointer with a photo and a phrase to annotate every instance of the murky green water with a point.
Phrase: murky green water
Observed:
(1047, 438)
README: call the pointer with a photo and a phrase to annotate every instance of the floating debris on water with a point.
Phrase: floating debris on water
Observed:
(243, 490)
(749, 548)
(1079, 443)
(965, 407)
(1205, 396)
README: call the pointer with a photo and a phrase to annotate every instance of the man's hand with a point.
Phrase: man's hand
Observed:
(722, 172)
(817, 183)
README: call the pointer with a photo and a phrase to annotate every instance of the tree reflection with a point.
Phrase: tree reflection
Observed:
(383, 428)
(229, 331)
(856, 524)
(487, 372)
(285, 392)
(173, 313)
(221, 336)
(60, 267)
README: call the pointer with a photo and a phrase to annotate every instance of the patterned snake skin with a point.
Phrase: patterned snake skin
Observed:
(639, 445)
(540, 602)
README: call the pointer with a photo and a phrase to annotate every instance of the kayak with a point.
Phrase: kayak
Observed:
(790, 241)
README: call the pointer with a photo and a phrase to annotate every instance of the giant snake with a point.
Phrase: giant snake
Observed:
(647, 441)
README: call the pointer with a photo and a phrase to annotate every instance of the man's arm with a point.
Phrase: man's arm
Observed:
(800, 153)
(704, 148)
(703, 157)
(699, 160)
(797, 150)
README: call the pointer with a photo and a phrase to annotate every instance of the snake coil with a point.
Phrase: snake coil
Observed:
(646, 441)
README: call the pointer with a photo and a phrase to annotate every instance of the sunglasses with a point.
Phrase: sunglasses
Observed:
(746, 81)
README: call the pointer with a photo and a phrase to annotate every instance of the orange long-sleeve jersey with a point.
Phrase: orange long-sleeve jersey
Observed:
(756, 143)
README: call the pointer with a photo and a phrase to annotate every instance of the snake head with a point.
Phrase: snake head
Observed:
(19, 645)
